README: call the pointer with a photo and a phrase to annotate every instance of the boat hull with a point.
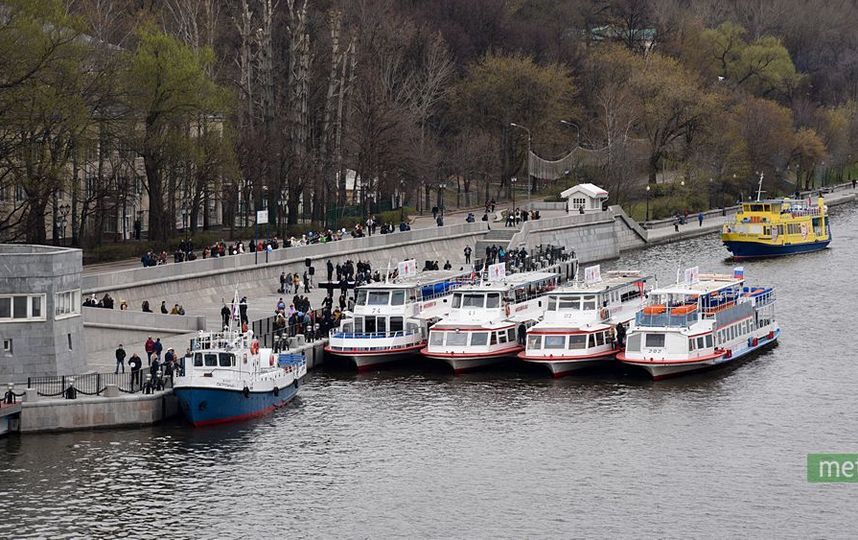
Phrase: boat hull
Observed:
(659, 370)
(368, 360)
(752, 250)
(560, 367)
(464, 362)
(204, 406)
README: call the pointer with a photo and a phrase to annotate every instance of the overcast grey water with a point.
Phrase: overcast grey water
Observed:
(512, 453)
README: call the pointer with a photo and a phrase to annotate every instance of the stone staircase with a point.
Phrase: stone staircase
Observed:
(496, 237)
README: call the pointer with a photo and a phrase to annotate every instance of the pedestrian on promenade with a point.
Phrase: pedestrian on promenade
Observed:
(700, 219)
(153, 372)
(149, 347)
(853, 183)
(281, 290)
(676, 224)
(467, 254)
(158, 347)
(330, 267)
(145, 307)
(135, 364)
(306, 282)
(120, 359)
(164, 309)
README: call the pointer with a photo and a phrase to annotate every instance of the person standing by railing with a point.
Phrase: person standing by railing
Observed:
(135, 364)
(120, 359)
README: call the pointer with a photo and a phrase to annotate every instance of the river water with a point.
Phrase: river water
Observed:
(507, 453)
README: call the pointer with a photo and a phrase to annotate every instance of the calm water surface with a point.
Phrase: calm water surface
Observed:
(507, 453)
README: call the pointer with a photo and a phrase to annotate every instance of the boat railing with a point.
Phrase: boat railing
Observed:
(349, 334)
(450, 285)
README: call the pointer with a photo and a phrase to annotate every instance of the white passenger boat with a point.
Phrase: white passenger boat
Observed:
(488, 322)
(706, 321)
(391, 320)
(578, 328)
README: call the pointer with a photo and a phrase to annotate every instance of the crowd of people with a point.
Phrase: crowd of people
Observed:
(163, 364)
(519, 215)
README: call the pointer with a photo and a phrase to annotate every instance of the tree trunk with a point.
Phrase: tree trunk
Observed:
(157, 229)
(653, 168)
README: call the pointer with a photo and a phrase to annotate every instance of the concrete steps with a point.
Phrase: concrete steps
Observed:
(496, 237)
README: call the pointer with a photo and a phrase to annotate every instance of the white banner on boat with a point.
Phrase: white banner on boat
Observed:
(497, 271)
(692, 275)
(593, 274)
(407, 268)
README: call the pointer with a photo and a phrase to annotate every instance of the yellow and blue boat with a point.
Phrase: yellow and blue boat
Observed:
(773, 227)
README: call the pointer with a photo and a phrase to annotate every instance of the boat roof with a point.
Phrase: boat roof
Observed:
(708, 283)
(511, 281)
(613, 280)
(427, 277)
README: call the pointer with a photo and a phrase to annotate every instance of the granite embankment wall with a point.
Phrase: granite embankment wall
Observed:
(594, 237)
(210, 280)
(96, 411)
(106, 329)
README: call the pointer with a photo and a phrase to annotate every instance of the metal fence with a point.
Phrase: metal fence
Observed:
(271, 335)
(94, 384)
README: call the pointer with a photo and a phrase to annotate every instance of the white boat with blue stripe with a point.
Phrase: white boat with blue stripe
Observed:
(227, 377)
(391, 320)
(708, 320)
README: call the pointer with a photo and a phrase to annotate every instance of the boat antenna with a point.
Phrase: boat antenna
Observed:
(678, 271)
(760, 187)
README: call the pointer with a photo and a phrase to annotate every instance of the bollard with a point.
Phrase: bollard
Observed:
(110, 391)
(70, 392)
(30, 395)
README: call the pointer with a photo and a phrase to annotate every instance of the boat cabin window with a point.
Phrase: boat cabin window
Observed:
(569, 303)
(396, 324)
(589, 303)
(211, 360)
(654, 340)
(552, 303)
(511, 335)
(226, 360)
(378, 298)
(381, 324)
(555, 342)
(534, 342)
(600, 338)
(457, 338)
(633, 344)
(198, 360)
(591, 342)
(493, 300)
(709, 340)
(469, 300)
(578, 341)
(479, 338)
(397, 298)
(358, 324)
(360, 299)
(493, 339)
(436, 338)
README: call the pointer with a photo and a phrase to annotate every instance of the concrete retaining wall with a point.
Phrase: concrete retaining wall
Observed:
(95, 412)
(211, 280)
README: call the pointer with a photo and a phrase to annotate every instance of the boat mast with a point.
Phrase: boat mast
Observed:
(760, 187)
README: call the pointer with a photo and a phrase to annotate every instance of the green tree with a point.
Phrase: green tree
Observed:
(168, 87)
(500, 89)
(46, 104)
(762, 66)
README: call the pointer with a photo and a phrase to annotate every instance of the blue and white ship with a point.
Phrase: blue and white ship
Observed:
(227, 377)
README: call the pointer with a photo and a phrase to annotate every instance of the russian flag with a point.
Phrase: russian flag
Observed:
(739, 272)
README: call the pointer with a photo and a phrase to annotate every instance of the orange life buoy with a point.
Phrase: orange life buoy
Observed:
(603, 313)
(684, 309)
(254, 347)
(755, 342)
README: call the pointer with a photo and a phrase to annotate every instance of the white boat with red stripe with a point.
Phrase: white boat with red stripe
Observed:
(705, 321)
(580, 326)
(488, 322)
(391, 320)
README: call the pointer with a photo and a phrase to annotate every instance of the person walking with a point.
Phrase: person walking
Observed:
(700, 219)
(135, 363)
(306, 281)
(120, 359)
(330, 267)
(149, 347)
(158, 347)
(468, 254)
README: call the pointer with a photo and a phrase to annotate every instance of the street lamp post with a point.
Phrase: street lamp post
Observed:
(647, 202)
(441, 206)
(401, 200)
(512, 181)
(64, 211)
(527, 157)
(577, 130)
